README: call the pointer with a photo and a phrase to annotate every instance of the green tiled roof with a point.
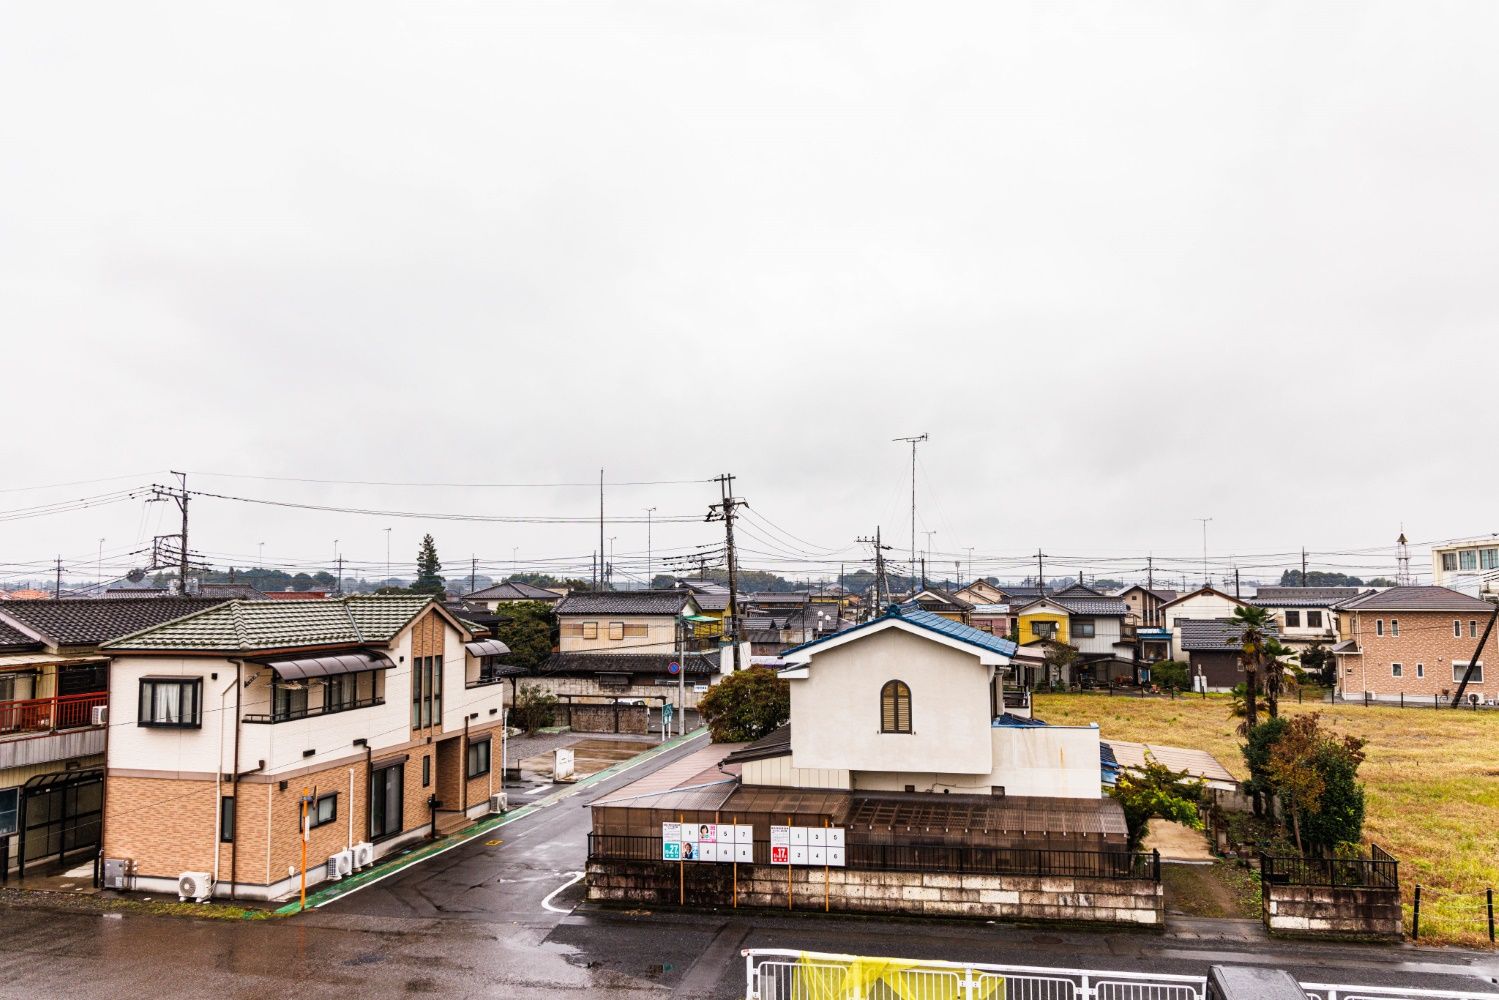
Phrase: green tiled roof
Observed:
(239, 626)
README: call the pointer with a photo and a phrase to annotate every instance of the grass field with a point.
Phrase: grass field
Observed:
(1431, 787)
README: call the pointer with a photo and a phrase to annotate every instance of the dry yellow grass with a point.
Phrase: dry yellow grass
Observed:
(1431, 787)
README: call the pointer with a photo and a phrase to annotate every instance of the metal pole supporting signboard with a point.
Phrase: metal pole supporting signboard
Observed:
(681, 871)
(788, 863)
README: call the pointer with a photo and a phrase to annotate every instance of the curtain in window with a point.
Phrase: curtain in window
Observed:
(166, 703)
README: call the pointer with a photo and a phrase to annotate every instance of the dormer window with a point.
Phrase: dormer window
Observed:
(895, 707)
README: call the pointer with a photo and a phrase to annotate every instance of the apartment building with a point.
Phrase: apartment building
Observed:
(1469, 565)
(1413, 641)
(381, 713)
(52, 719)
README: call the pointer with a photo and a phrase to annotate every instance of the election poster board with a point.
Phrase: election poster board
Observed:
(716, 842)
(817, 846)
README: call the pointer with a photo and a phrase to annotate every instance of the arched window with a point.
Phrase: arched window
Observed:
(895, 707)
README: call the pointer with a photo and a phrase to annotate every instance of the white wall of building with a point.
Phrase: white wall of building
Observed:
(835, 709)
(1056, 761)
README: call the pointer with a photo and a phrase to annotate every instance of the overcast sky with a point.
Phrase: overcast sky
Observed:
(1128, 264)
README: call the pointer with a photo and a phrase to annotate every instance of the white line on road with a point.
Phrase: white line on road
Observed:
(546, 904)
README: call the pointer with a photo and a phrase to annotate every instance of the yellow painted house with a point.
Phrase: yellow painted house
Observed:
(1043, 619)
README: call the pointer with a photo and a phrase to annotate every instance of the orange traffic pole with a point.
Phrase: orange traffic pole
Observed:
(681, 871)
(826, 874)
(304, 850)
(735, 896)
(788, 864)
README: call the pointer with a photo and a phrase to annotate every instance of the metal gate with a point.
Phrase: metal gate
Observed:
(783, 974)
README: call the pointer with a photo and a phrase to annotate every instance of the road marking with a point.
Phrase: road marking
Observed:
(325, 896)
(546, 904)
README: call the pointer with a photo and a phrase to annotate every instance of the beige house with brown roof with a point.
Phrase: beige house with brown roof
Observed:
(379, 710)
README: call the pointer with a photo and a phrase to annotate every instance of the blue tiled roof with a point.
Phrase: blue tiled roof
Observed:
(932, 622)
(1007, 721)
(1108, 764)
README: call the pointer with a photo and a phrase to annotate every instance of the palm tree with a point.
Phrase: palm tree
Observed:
(1255, 629)
(1275, 673)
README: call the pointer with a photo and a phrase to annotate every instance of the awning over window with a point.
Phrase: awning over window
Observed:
(297, 668)
(486, 647)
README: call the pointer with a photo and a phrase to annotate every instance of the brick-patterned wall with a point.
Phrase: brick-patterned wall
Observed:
(285, 814)
(1425, 638)
(165, 825)
(427, 637)
(1004, 897)
(1326, 911)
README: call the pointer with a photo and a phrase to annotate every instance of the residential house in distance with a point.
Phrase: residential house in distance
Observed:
(1202, 603)
(772, 631)
(1414, 642)
(940, 602)
(1211, 648)
(1305, 616)
(375, 706)
(53, 688)
(981, 591)
(620, 645)
(510, 592)
(1090, 623)
(1152, 638)
(1470, 565)
(996, 619)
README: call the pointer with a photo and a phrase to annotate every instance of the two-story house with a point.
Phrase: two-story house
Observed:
(1197, 605)
(1305, 616)
(53, 723)
(981, 591)
(376, 713)
(1413, 641)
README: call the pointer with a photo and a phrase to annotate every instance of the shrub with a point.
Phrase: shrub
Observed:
(746, 705)
(1170, 673)
(1156, 791)
(534, 708)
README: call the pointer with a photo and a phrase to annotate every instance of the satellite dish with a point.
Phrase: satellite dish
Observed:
(136, 575)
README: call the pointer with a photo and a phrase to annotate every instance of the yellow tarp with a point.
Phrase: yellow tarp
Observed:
(884, 979)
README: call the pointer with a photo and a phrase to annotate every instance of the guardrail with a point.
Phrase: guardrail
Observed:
(46, 715)
(785, 974)
(929, 858)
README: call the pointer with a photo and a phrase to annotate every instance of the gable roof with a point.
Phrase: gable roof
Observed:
(242, 626)
(96, 620)
(513, 591)
(935, 597)
(1083, 601)
(13, 639)
(1416, 599)
(928, 621)
(1201, 591)
(243, 591)
(1219, 635)
(1081, 589)
(625, 602)
(1158, 593)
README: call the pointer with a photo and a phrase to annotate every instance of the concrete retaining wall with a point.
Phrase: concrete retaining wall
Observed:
(1327, 911)
(1008, 897)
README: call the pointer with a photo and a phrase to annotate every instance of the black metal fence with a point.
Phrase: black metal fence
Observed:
(929, 858)
(1378, 871)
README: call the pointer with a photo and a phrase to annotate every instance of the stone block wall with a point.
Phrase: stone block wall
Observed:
(990, 897)
(586, 718)
(1333, 911)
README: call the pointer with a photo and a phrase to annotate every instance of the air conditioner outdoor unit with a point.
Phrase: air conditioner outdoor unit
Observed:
(99, 715)
(499, 802)
(364, 855)
(195, 886)
(340, 864)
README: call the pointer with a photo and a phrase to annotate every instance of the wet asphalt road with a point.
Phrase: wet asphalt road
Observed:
(476, 922)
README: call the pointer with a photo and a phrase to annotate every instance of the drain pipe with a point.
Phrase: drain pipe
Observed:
(218, 783)
(369, 788)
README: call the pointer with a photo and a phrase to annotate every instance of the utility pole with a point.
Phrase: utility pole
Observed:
(1205, 581)
(724, 511)
(648, 576)
(57, 590)
(880, 588)
(914, 441)
(1040, 573)
(601, 532)
(1303, 567)
(1236, 580)
(180, 497)
(387, 557)
(1150, 573)
(473, 571)
(610, 564)
(970, 565)
(928, 555)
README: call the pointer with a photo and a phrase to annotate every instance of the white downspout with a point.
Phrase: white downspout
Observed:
(350, 811)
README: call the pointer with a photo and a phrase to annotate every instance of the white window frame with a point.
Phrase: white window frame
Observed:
(1394, 626)
(1397, 670)
(1460, 666)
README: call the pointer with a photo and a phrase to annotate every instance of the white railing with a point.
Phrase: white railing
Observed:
(784, 974)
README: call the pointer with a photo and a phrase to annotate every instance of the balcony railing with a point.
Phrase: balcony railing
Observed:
(48, 715)
(292, 714)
